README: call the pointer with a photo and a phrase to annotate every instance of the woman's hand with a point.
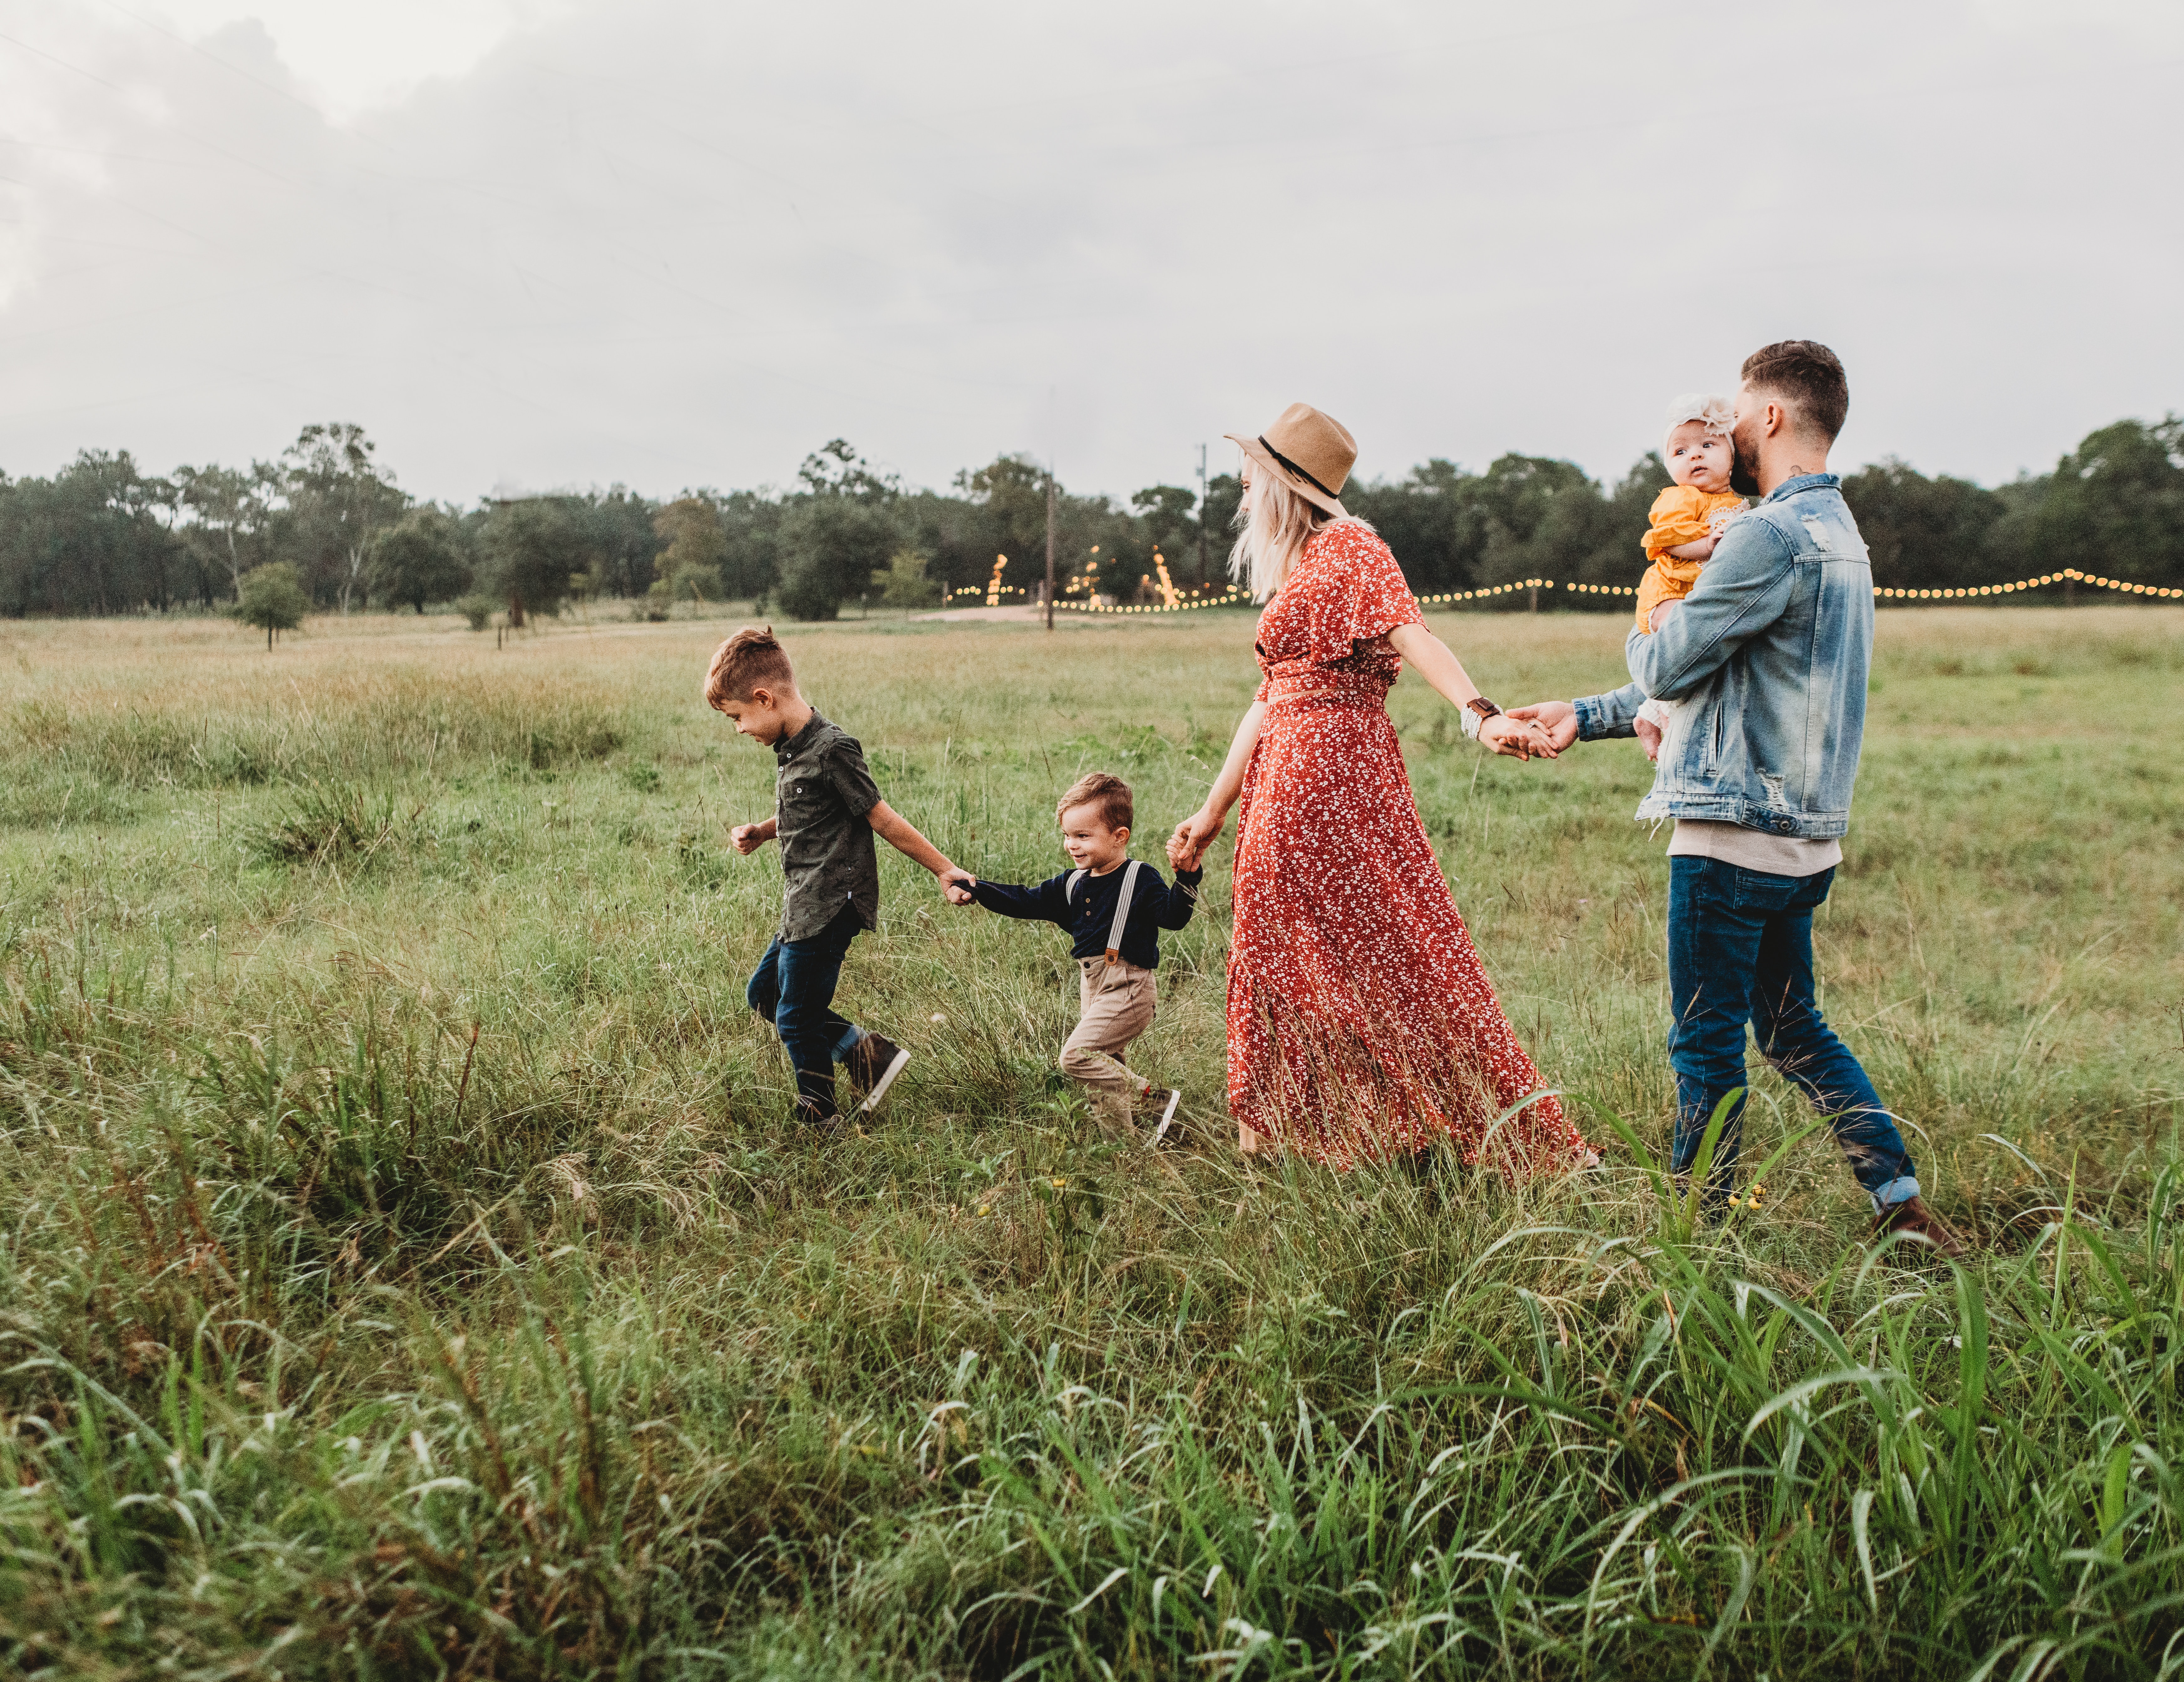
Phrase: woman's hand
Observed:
(1518, 738)
(1192, 836)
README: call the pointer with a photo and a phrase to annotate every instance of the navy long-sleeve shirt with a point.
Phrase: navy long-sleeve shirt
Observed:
(1090, 915)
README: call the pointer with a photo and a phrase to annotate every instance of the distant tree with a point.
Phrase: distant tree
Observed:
(836, 533)
(836, 469)
(1169, 512)
(229, 510)
(1920, 533)
(421, 557)
(697, 547)
(1224, 495)
(1431, 519)
(533, 547)
(2115, 505)
(750, 523)
(689, 569)
(831, 546)
(273, 599)
(1008, 500)
(903, 583)
(96, 538)
(338, 497)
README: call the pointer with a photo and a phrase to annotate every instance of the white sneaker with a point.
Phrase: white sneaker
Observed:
(874, 1066)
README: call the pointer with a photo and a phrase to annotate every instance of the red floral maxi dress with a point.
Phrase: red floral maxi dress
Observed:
(1360, 1026)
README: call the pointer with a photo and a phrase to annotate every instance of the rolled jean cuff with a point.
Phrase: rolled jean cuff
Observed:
(855, 1038)
(1900, 1190)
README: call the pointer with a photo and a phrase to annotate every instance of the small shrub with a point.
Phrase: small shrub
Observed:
(327, 824)
(478, 610)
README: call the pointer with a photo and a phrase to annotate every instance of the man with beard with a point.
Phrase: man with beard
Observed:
(1770, 649)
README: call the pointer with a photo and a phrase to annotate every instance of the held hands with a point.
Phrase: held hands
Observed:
(1518, 738)
(1192, 836)
(956, 883)
(1557, 718)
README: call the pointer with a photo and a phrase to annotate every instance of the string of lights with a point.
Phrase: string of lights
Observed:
(1449, 597)
(2070, 574)
(1234, 594)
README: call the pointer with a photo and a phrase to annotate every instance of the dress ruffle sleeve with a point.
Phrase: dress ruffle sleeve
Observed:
(1347, 590)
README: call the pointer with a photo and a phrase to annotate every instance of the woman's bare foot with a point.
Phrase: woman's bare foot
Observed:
(1251, 1142)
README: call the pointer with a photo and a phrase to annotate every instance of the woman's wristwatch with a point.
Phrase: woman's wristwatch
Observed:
(1476, 711)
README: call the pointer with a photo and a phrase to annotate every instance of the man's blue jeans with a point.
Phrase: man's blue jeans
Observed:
(793, 989)
(1741, 950)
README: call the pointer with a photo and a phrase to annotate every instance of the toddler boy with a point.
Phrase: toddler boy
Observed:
(1112, 906)
(826, 809)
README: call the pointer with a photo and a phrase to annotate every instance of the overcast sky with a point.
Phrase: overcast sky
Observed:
(555, 242)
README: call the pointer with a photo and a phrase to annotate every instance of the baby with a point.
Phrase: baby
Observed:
(1687, 521)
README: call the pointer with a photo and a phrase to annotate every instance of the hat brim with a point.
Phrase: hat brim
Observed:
(1311, 493)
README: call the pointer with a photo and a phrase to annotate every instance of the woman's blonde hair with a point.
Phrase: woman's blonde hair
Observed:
(1273, 534)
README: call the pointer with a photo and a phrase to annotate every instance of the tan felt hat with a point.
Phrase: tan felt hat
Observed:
(1309, 452)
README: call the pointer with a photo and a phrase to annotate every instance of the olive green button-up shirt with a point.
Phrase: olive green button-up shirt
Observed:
(822, 792)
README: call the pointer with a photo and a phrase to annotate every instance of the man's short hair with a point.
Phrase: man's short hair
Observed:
(1111, 795)
(750, 660)
(1809, 378)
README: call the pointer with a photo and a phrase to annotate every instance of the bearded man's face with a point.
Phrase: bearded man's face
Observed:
(1751, 415)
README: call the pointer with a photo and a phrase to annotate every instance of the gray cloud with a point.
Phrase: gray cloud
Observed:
(674, 245)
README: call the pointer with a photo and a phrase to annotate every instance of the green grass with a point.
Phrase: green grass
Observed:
(406, 1269)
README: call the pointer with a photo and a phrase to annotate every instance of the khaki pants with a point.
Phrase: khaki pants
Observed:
(1115, 1005)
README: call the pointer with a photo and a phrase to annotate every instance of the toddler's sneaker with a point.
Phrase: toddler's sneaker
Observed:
(873, 1065)
(1167, 1133)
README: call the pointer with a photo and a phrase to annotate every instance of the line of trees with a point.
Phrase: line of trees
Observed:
(103, 537)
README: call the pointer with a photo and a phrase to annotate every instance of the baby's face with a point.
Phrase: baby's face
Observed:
(1698, 458)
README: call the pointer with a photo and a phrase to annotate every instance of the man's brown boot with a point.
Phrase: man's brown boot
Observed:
(1913, 1216)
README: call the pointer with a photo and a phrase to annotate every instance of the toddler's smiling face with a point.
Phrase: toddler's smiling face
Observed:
(1698, 458)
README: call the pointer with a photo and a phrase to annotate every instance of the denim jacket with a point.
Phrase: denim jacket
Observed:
(1771, 649)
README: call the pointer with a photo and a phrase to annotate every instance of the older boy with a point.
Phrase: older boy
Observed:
(1112, 908)
(826, 811)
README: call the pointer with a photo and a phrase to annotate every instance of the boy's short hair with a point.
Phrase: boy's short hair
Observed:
(752, 659)
(1809, 376)
(1111, 795)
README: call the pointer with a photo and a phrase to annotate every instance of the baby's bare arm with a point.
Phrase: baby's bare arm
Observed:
(1699, 550)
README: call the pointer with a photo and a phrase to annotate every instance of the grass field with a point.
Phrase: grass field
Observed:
(406, 1269)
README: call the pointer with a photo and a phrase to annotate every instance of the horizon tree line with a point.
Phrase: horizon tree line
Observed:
(101, 537)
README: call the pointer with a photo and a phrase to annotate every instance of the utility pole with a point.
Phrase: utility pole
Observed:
(1201, 517)
(1049, 549)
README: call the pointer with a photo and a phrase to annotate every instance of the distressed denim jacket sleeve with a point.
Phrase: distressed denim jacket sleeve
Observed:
(1743, 589)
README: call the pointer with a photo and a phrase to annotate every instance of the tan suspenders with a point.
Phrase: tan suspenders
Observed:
(1121, 904)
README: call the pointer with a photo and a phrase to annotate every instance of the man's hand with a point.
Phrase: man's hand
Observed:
(956, 883)
(1517, 738)
(1558, 719)
(749, 838)
(1649, 737)
(1192, 836)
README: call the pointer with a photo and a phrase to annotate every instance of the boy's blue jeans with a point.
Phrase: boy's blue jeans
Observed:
(793, 988)
(1741, 950)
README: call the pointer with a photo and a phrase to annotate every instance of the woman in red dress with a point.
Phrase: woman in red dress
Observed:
(1360, 1026)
